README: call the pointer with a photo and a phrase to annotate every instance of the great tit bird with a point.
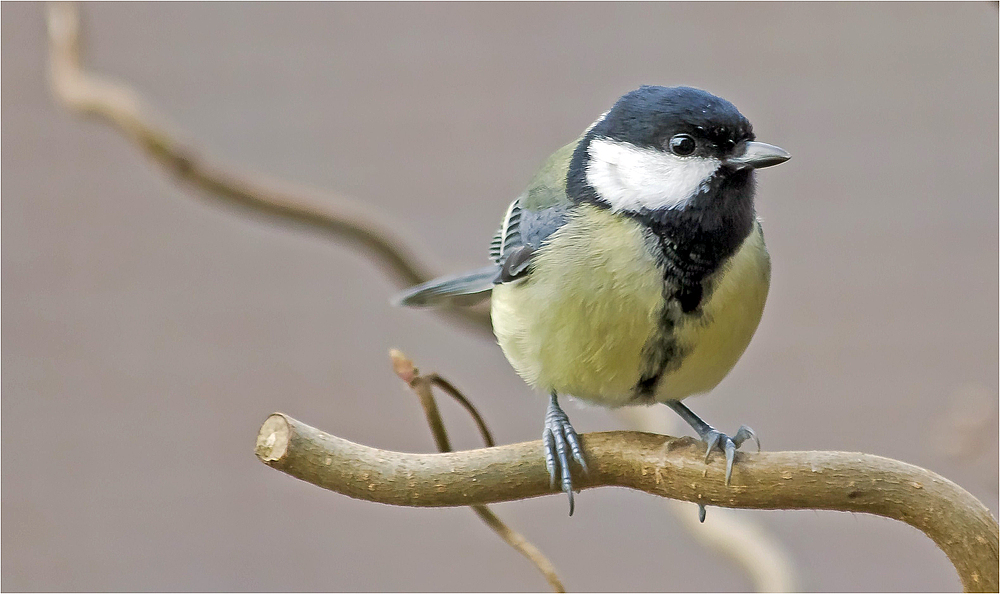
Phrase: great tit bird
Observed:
(632, 270)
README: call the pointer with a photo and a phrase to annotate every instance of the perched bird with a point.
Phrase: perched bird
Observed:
(632, 270)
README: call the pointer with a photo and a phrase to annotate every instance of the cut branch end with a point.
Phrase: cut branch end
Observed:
(273, 438)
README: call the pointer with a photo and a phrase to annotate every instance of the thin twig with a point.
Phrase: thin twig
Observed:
(422, 386)
(334, 216)
(451, 390)
(666, 466)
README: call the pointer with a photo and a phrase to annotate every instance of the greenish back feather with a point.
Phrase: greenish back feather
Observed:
(548, 186)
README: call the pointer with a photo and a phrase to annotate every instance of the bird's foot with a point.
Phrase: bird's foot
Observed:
(717, 439)
(561, 442)
(714, 438)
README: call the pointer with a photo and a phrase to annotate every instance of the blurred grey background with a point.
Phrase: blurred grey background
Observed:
(146, 335)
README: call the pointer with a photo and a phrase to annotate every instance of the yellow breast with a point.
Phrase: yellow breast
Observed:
(578, 324)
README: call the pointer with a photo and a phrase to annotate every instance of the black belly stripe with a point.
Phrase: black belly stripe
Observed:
(662, 353)
(687, 275)
(689, 297)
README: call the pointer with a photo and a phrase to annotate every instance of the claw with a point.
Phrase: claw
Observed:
(561, 444)
(701, 513)
(561, 455)
(712, 439)
(744, 433)
(550, 459)
(730, 457)
(574, 446)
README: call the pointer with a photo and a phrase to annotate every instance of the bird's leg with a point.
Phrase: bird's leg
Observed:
(713, 437)
(561, 442)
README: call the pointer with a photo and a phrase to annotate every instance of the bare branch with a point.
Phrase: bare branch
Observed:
(333, 216)
(422, 386)
(666, 466)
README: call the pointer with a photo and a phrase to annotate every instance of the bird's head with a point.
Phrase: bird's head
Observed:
(663, 148)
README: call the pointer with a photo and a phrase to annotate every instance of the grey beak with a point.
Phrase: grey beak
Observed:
(757, 155)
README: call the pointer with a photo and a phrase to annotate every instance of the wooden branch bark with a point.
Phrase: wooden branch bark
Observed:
(661, 465)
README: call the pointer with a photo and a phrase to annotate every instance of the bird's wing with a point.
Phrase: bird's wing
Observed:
(529, 219)
(532, 217)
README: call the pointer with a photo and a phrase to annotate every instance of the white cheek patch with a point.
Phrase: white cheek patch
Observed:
(632, 178)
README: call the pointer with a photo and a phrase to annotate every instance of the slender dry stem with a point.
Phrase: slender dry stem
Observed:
(422, 386)
(452, 391)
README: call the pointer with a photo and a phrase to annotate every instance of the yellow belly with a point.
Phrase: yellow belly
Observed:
(578, 324)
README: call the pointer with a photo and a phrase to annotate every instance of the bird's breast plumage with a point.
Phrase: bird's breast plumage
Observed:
(589, 320)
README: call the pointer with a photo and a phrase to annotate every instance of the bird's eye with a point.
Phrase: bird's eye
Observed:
(682, 144)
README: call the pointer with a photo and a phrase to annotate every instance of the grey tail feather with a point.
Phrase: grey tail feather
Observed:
(444, 290)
